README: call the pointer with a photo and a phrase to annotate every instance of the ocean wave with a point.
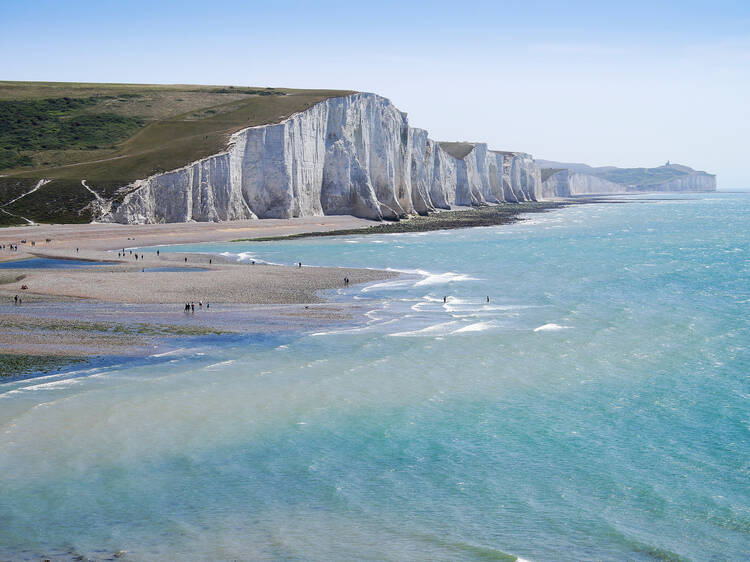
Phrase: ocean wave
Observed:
(443, 278)
(220, 364)
(476, 327)
(551, 327)
(441, 329)
(370, 327)
(244, 257)
(65, 383)
(389, 285)
(430, 278)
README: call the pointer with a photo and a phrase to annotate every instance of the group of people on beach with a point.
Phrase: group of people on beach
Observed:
(17, 300)
(123, 254)
(9, 247)
(190, 306)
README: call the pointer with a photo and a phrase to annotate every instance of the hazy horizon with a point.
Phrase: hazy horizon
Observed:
(632, 85)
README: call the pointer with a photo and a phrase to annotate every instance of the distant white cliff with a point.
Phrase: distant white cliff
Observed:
(353, 155)
(566, 183)
(566, 180)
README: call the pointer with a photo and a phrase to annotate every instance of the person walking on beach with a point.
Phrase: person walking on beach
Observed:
(299, 265)
(15, 300)
(488, 299)
(157, 252)
(445, 300)
(192, 307)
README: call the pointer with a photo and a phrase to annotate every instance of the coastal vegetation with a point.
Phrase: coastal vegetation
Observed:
(57, 124)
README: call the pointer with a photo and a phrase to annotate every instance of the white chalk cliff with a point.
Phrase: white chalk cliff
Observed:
(354, 155)
(566, 183)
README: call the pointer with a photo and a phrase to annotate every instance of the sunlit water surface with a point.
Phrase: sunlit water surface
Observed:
(598, 407)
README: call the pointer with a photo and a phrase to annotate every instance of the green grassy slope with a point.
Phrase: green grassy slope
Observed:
(112, 134)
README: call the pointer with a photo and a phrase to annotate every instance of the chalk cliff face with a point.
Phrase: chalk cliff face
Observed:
(566, 183)
(350, 155)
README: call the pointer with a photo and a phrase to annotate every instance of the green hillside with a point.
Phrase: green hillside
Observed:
(112, 134)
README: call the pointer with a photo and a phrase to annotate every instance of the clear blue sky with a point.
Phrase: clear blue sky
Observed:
(630, 84)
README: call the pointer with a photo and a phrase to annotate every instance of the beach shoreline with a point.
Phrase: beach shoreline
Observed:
(133, 307)
(131, 303)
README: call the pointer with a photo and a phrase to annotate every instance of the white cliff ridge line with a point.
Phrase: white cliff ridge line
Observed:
(100, 205)
(38, 185)
(351, 155)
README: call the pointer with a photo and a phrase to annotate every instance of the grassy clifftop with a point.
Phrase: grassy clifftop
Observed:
(112, 134)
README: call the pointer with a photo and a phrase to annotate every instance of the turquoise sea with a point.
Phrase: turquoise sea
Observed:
(597, 408)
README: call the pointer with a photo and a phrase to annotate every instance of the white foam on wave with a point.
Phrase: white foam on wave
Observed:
(443, 278)
(369, 328)
(221, 364)
(430, 278)
(440, 329)
(65, 383)
(551, 327)
(458, 301)
(180, 350)
(476, 327)
(244, 257)
(388, 285)
(429, 305)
